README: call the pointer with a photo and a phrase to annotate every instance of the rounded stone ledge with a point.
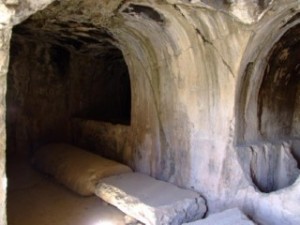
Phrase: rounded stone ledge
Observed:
(76, 168)
(269, 167)
(276, 208)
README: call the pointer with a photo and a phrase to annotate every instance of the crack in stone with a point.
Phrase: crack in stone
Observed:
(178, 10)
(206, 41)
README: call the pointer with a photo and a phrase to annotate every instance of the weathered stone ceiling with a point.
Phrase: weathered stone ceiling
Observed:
(247, 11)
(82, 38)
(69, 26)
(81, 25)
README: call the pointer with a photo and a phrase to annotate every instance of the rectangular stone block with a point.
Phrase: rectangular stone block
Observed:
(151, 201)
(228, 217)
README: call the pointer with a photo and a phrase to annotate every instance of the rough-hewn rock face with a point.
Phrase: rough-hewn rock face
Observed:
(9, 12)
(49, 78)
(201, 75)
(270, 166)
(227, 217)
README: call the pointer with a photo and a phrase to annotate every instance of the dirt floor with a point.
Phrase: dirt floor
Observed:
(35, 199)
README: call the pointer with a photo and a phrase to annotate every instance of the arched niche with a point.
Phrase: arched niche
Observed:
(58, 74)
(267, 106)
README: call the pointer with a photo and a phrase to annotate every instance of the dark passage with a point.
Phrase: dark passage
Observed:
(59, 72)
(271, 129)
(57, 76)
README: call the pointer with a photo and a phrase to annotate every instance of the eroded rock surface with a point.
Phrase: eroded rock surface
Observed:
(271, 167)
(198, 86)
(227, 217)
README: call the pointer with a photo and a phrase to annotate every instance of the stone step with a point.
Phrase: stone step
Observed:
(151, 201)
(228, 217)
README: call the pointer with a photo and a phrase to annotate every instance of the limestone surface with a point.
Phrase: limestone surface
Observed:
(151, 201)
(271, 167)
(76, 168)
(214, 87)
(227, 217)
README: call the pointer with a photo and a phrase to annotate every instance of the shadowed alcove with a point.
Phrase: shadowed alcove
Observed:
(269, 124)
(63, 77)
(60, 75)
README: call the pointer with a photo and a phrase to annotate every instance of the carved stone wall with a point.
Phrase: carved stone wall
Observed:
(201, 93)
(49, 86)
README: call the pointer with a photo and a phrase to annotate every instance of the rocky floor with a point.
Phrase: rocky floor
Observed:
(35, 199)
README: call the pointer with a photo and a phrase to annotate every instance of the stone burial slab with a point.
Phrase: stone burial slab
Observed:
(228, 217)
(151, 201)
(76, 168)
